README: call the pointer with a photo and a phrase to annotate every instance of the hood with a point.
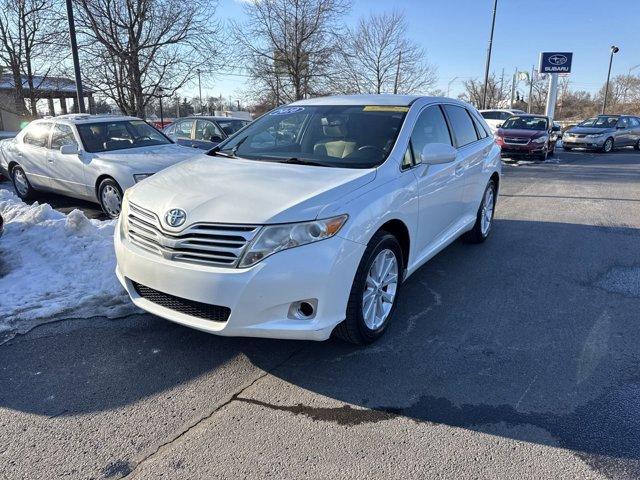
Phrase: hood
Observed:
(588, 130)
(149, 159)
(521, 133)
(234, 190)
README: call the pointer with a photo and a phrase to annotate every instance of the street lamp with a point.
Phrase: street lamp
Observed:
(160, 95)
(614, 50)
(450, 83)
(198, 71)
(486, 70)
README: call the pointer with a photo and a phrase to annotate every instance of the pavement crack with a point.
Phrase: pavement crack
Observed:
(168, 444)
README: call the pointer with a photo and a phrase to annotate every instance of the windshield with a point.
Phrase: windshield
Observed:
(526, 123)
(335, 136)
(232, 126)
(118, 135)
(602, 121)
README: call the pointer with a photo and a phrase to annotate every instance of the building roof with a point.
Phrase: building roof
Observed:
(43, 85)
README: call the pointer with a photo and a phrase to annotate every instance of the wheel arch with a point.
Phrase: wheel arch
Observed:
(101, 179)
(399, 229)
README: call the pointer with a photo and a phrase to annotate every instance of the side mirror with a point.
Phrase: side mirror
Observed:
(69, 149)
(215, 139)
(438, 153)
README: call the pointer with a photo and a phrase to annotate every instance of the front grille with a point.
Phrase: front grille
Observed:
(201, 243)
(516, 141)
(206, 311)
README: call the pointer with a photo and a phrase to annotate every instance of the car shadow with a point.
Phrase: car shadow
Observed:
(527, 336)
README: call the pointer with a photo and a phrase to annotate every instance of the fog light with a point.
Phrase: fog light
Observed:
(303, 309)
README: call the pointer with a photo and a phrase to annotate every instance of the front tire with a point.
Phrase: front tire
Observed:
(607, 146)
(484, 218)
(21, 183)
(110, 197)
(374, 293)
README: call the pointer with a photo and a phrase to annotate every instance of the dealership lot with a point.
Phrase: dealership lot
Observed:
(517, 358)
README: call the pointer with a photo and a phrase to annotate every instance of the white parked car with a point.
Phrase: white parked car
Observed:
(497, 116)
(311, 218)
(91, 157)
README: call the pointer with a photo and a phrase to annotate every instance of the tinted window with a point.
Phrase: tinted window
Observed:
(603, 121)
(207, 131)
(232, 126)
(37, 134)
(183, 129)
(490, 115)
(463, 129)
(349, 136)
(526, 123)
(119, 135)
(482, 133)
(623, 123)
(431, 127)
(62, 135)
(634, 122)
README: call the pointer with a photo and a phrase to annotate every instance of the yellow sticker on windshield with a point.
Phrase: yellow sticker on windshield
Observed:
(384, 108)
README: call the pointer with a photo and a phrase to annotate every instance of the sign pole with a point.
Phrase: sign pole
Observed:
(552, 96)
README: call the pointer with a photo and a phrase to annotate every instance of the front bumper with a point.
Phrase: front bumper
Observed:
(259, 297)
(582, 142)
(509, 149)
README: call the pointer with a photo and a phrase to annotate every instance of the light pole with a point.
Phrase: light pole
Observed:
(614, 50)
(198, 71)
(486, 70)
(160, 95)
(450, 83)
(74, 54)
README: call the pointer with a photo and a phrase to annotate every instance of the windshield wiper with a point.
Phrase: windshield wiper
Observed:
(299, 161)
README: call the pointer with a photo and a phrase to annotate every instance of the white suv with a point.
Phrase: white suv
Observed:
(497, 117)
(91, 157)
(310, 218)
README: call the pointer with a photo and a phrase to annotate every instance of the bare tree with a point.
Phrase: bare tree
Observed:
(623, 95)
(288, 46)
(130, 48)
(498, 92)
(377, 57)
(30, 37)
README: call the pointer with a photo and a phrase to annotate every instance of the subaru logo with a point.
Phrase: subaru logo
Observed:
(175, 217)
(558, 59)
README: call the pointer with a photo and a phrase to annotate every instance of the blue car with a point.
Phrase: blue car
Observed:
(203, 132)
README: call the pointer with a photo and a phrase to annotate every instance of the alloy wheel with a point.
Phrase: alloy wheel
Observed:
(608, 145)
(488, 205)
(111, 200)
(20, 181)
(380, 290)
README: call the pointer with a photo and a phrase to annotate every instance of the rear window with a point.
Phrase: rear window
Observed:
(463, 129)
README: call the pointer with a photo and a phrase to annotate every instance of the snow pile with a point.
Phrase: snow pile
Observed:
(55, 266)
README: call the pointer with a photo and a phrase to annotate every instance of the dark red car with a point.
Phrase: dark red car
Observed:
(533, 136)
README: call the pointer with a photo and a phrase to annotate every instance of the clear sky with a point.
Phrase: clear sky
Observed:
(455, 34)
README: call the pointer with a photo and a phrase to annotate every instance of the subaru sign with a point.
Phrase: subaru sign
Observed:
(555, 62)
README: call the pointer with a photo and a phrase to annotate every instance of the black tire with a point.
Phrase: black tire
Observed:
(637, 145)
(475, 235)
(109, 208)
(354, 329)
(567, 149)
(27, 193)
(608, 145)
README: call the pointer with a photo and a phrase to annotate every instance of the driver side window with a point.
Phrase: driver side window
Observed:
(207, 131)
(431, 127)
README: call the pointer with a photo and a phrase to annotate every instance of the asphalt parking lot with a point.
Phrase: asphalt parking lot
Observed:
(517, 358)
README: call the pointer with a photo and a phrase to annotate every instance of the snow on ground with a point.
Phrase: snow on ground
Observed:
(55, 266)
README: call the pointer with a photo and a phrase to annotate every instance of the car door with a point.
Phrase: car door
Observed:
(439, 186)
(67, 170)
(207, 135)
(182, 133)
(473, 145)
(635, 128)
(32, 154)
(623, 134)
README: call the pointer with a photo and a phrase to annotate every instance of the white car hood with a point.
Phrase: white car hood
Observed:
(222, 190)
(149, 159)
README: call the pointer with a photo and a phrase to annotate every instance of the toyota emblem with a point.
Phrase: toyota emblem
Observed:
(175, 217)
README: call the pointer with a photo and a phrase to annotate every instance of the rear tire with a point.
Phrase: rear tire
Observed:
(358, 327)
(484, 218)
(567, 149)
(637, 145)
(110, 197)
(21, 183)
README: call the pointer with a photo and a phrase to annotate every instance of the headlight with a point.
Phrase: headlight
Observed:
(138, 177)
(274, 238)
(541, 139)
